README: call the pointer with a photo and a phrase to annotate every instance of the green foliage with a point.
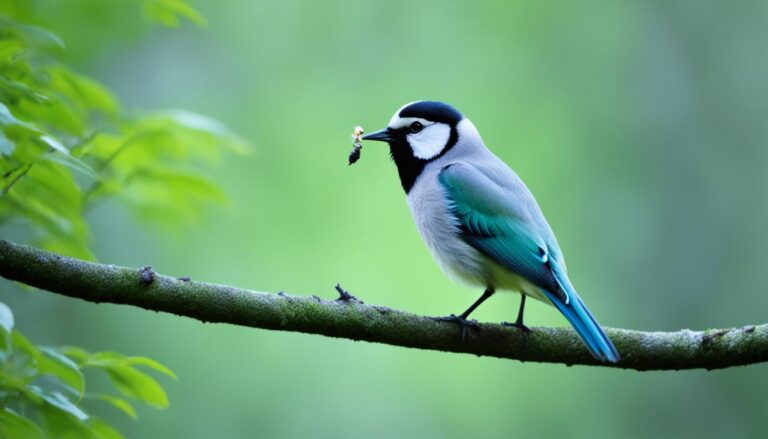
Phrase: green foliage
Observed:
(171, 12)
(65, 144)
(43, 389)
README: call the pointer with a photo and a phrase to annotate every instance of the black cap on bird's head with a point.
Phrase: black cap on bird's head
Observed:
(431, 111)
(418, 133)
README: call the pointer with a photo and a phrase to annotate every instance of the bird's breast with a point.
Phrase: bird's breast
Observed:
(440, 231)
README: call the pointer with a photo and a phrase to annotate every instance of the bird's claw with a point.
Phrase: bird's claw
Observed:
(453, 318)
(518, 325)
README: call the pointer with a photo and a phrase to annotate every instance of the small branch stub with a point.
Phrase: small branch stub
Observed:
(146, 275)
(344, 295)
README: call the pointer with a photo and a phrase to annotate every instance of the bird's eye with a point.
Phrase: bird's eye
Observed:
(416, 127)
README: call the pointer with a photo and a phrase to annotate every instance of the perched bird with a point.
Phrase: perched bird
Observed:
(479, 220)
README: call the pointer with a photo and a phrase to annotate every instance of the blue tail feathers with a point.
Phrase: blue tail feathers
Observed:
(586, 326)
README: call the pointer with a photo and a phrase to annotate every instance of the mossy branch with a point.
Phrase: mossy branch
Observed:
(349, 318)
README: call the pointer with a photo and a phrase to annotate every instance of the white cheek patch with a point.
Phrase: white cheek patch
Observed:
(430, 141)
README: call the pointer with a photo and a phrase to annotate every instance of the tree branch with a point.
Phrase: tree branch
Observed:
(350, 318)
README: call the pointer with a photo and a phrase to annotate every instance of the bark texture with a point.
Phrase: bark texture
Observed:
(349, 318)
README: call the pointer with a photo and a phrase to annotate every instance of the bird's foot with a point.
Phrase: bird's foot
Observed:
(518, 325)
(461, 321)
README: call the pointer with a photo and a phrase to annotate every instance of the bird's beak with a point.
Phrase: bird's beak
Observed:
(381, 135)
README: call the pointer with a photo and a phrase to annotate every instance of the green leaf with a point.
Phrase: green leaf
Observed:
(197, 122)
(49, 195)
(119, 403)
(13, 425)
(105, 359)
(137, 385)
(102, 430)
(6, 146)
(61, 113)
(61, 402)
(170, 198)
(56, 364)
(55, 144)
(15, 130)
(84, 92)
(168, 12)
(6, 323)
(19, 90)
(37, 36)
(109, 358)
(6, 317)
(72, 163)
(152, 364)
(12, 48)
(64, 424)
(8, 119)
(80, 355)
(210, 126)
(20, 343)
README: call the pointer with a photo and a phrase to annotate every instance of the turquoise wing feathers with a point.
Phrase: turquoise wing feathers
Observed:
(495, 223)
(505, 224)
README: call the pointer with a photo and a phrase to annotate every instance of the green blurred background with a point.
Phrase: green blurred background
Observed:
(641, 128)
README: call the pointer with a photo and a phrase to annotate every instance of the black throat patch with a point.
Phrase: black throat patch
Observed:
(410, 167)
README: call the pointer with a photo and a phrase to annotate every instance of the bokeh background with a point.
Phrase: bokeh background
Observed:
(641, 128)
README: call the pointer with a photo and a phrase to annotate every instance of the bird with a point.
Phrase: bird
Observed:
(480, 222)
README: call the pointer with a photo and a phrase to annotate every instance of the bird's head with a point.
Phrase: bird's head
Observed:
(418, 133)
(423, 130)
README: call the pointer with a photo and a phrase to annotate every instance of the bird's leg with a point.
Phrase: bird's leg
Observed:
(462, 318)
(486, 294)
(519, 322)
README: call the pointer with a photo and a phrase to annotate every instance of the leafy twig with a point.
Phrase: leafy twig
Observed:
(16, 179)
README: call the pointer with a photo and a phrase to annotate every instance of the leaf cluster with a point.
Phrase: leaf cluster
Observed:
(66, 143)
(43, 389)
